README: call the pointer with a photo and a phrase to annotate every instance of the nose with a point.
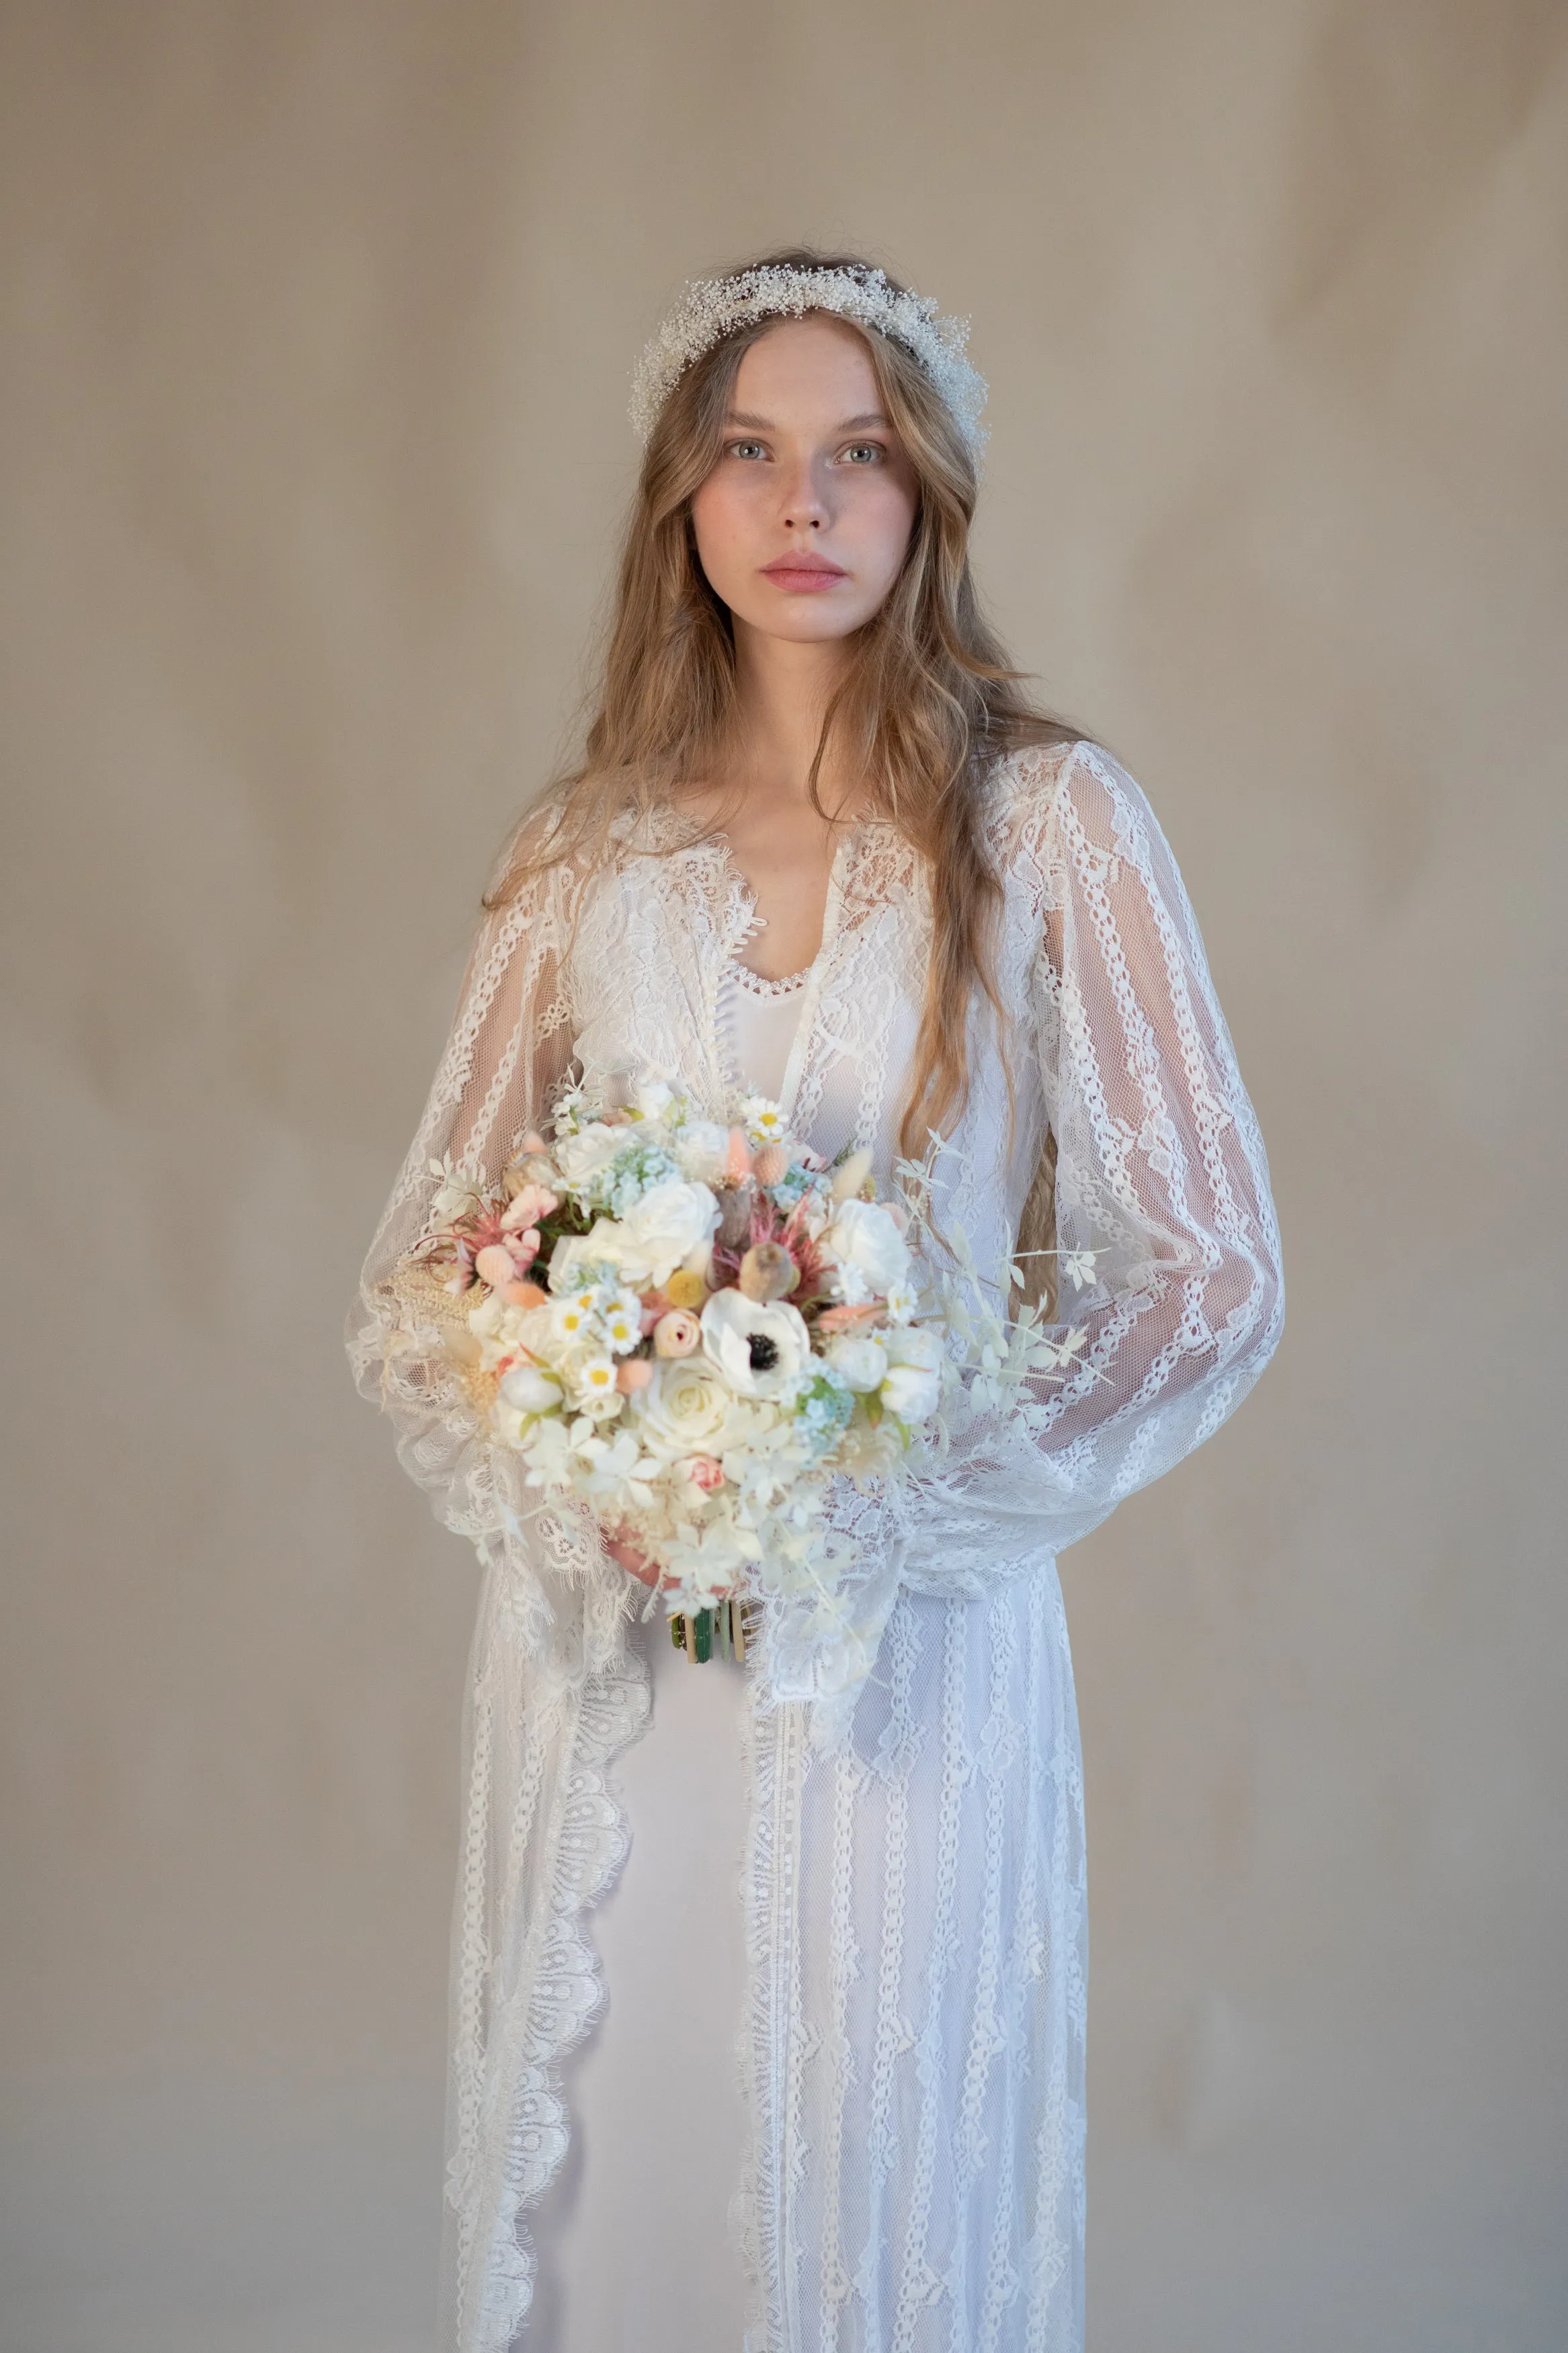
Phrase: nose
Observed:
(804, 507)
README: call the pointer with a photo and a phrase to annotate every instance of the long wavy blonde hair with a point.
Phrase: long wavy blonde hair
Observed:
(927, 704)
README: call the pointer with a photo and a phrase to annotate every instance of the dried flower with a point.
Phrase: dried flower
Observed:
(852, 1176)
(768, 1271)
(527, 1207)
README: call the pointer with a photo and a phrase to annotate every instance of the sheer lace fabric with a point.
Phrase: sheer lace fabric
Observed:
(915, 1920)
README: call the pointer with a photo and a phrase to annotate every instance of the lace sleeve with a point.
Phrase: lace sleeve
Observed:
(1160, 1175)
(510, 1046)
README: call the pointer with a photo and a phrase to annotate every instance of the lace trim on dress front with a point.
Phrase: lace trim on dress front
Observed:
(756, 983)
(519, 2013)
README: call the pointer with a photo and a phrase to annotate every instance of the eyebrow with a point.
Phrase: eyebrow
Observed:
(850, 424)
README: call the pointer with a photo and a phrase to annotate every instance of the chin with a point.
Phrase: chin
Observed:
(807, 624)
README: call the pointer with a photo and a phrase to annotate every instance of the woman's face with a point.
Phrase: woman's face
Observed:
(803, 524)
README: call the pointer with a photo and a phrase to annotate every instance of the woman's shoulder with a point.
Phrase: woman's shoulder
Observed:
(1071, 786)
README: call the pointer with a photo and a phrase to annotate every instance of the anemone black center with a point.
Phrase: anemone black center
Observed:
(765, 1352)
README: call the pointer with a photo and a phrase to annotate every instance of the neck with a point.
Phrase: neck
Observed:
(784, 690)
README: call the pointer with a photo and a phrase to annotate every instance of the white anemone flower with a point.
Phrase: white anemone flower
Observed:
(759, 1346)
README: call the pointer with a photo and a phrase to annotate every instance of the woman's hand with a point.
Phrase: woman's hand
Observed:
(638, 1563)
(640, 1566)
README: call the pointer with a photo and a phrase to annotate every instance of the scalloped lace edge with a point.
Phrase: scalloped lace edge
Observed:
(570, 1997)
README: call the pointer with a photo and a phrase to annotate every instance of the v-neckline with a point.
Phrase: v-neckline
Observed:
(741, 894)
(742, 920)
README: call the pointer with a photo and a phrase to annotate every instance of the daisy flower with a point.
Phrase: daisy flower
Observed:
(622, 1322)
(762, 1120)
(595, 1382)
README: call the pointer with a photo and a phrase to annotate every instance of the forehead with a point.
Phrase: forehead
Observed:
(817, 365)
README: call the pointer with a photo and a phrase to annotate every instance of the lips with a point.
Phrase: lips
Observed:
(804, 573)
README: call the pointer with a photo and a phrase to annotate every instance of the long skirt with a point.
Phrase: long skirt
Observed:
(915, 1906)
(636, 2240)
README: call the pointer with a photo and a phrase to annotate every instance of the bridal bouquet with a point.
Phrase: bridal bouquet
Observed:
(691, 1327)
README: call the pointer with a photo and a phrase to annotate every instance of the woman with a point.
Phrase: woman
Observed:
(822, 847)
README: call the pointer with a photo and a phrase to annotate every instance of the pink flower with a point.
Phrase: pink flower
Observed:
(494, 1265)
(738, 1157)
(527, 1208)
(850, 1319)
(677, 1334)
(705, 1472)
(633, 1373)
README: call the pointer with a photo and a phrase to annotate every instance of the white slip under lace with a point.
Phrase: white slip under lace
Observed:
(760, 1020)
(914, 1906)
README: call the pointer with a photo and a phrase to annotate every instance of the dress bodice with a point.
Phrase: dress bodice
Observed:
(657, 992)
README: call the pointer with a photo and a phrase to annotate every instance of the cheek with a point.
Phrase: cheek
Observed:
(886, 517)
(722, 524)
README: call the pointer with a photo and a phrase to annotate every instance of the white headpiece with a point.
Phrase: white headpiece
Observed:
(711, 307)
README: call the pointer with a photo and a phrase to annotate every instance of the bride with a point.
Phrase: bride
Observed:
(819, 846)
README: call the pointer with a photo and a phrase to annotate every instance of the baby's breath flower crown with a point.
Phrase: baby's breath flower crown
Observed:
(712, 308)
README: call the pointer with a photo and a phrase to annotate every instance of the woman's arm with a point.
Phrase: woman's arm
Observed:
(1160, 1175)
(508, 1049)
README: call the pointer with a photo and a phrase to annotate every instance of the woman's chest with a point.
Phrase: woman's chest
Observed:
(655, 992)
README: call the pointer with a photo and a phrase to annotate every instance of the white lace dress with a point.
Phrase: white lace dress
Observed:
(907, 1944)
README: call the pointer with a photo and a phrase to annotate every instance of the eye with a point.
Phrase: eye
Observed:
(749, 449)
(865, 453)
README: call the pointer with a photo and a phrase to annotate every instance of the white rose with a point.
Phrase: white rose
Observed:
(702, 1148)
(582, 1156)
(670, 1221)
(529, 1390)
(914, 1345)
(872, 1255)
(912, 1392)
(682, 1408)
(652, 1098)
(758, 1348)
(861, 1360)
(502, 1330)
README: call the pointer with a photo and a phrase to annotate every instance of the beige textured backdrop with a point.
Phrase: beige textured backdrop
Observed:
(318, 320)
